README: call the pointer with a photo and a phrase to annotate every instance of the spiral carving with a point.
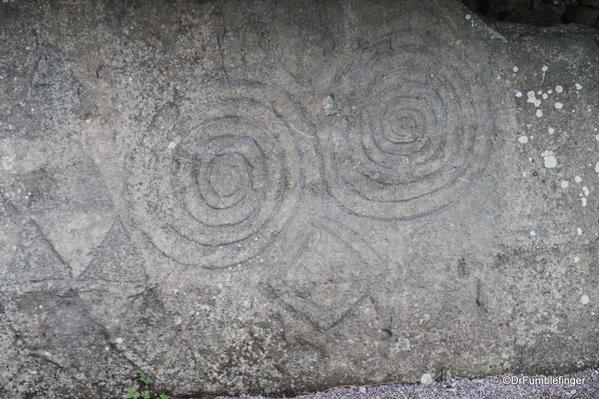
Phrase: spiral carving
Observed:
(215, 186)
(417, 132)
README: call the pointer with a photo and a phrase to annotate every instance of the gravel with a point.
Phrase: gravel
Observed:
(461, 388)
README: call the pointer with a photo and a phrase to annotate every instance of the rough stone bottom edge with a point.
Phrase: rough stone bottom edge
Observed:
(581, 385)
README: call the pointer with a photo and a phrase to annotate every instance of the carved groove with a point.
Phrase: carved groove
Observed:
(216, 186)
(417, 132)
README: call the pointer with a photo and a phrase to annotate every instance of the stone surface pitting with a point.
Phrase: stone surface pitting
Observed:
(221, 178)
(31, 93)
(419, 129)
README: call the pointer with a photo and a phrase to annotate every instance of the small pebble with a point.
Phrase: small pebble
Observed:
(426, 379)
(515, 69)
(523, 139)
(559, 105)
(551, 130)
(518, 94)
(328, 104)
(559, 89)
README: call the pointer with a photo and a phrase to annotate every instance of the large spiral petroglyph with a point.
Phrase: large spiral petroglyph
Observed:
(216, 186)
(417, 131)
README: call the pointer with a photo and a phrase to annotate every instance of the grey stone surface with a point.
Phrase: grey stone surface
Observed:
(274, 197)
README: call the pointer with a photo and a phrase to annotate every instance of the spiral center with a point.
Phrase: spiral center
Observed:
(403, 130)
(225, 174)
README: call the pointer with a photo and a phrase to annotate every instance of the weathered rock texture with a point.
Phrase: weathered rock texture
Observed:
(276, 196)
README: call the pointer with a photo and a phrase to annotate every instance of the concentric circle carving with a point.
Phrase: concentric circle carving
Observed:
(216, 181)
(417, 132)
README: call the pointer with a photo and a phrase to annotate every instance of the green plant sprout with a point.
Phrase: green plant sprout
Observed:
(135, 393)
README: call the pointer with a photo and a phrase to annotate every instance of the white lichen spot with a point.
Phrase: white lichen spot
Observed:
(578, 231)
(523, 139)
(172, 144)
(558, 105)
(551, 130)
(515, 69)
(578, 86)
(585, 299)
(539, 113)
(549, 159)
(558, 89)
(585, 190)
(577, 179)
(533, 233)
(564, 184)
(426, 379)
(7, 162)
(518, 94)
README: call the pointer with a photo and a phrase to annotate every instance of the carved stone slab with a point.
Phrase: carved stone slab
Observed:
(281, 196)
